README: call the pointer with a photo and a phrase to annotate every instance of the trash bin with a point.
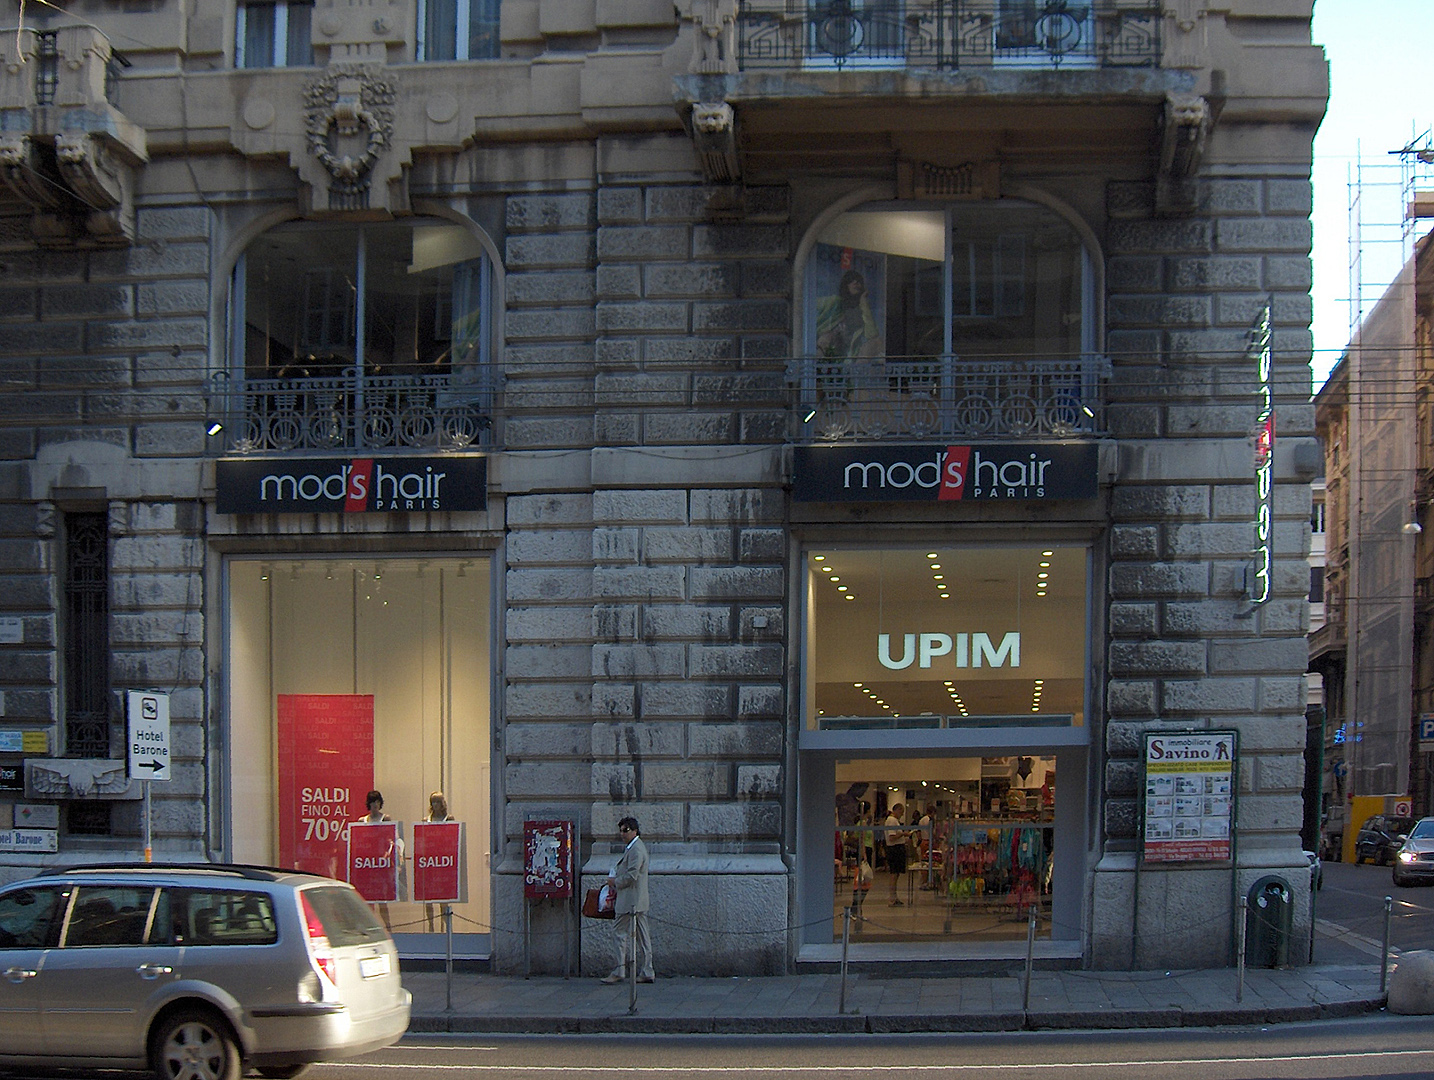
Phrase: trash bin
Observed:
(1269, 913)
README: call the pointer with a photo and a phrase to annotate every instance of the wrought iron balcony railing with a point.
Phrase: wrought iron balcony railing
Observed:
(352, 411)
(895, 398)
(947, 34)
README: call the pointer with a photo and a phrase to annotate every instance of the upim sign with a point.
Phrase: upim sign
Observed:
(967, 650)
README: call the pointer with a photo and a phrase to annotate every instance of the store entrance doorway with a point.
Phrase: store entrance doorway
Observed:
(958, 849)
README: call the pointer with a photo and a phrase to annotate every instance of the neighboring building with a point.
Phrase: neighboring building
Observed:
(742, 416)
(1374, 652)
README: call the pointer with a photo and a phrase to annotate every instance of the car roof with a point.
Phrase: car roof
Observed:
(186, 872)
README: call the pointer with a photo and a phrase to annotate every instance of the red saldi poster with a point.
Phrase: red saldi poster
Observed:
(325, 770)
(375, 857)
(439, 871)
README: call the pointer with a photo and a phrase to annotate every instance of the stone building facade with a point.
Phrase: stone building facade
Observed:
(472, 383)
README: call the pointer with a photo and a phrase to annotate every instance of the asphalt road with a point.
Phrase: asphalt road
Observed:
(1349, 914)
(1382, 1046)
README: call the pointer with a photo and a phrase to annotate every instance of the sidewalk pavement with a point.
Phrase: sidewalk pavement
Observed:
(791, 1004)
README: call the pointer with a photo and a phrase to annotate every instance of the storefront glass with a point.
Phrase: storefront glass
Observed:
(345, 675)
(947, 680)
(943, 637)
(951, 848)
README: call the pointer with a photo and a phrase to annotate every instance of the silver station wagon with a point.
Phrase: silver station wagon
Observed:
(193, 971)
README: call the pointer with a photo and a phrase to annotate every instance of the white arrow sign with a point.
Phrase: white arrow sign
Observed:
(148, 735)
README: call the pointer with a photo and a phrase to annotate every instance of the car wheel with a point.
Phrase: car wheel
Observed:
(281, 1072)
(195, 1044)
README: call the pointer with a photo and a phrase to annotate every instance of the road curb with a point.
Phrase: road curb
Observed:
(892, 1024)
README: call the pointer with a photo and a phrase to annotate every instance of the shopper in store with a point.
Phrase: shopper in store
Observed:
(629, 877)
(895, 849)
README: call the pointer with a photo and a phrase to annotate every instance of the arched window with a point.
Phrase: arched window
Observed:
(978, 280)
(965, 319)
(366, 336)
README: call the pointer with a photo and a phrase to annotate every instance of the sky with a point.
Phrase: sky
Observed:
(1381, 98)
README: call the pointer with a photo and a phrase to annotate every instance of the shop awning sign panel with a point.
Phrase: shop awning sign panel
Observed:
(350, 485)
(1189, 796)
(978, 472)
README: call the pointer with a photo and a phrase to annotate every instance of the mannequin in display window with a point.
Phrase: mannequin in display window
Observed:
(437, 811)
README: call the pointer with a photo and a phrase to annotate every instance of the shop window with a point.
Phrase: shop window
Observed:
(1002, 279)
(458, 29)
(274, 34)
(364, 337)
(946, 637)
(346, 676)
(87, 634)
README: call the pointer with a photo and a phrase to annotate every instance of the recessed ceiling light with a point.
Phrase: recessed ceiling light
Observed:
(1048, 554)
(936, 566)
(819, 558)
(931, 554)
(849, 596)
(938, 577)
(841, 588)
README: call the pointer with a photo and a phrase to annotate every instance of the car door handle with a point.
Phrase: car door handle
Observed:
(19, 974)
(153, 971)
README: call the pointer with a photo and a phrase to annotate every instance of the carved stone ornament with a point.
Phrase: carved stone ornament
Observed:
(714, 46)
(79, 778)
(1187, 124)
(714, 137)
(349, 114)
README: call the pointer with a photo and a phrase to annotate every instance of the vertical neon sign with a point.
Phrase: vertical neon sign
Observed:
(1264, 458)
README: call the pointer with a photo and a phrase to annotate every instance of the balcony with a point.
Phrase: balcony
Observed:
(947, 34)
(949, 397)
(352, 412)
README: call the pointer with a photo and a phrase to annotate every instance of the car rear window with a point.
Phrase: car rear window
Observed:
(347, 919)
(222, 917)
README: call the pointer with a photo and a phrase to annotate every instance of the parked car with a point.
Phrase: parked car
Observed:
(1380, 837)
(1415, 859)
(193, 971)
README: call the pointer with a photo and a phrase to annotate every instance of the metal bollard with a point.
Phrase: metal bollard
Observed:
(1240, 954)
(632, 965)
(1384, 952)
(1030, 961)
(845, 941)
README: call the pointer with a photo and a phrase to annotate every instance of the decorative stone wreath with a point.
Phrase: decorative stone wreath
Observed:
(331, 102)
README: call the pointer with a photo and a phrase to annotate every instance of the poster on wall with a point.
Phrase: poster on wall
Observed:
(850, 287)
(1189, 796)
(547, 859)
(375, 859)
(325, 746)
(440, 871)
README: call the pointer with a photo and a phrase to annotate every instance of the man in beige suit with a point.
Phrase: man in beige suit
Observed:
(629, 877)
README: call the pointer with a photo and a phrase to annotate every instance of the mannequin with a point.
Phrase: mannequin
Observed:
(437, 811)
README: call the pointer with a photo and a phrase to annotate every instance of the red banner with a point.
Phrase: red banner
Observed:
(375, 856)
(325, 771)
(440, 873)
(547, 859)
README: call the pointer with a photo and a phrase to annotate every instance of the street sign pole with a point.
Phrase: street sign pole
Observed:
(148, 748)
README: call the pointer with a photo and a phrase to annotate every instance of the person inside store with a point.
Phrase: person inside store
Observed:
(629, 877)
(895, 849)
(437, 811)
(374, 802)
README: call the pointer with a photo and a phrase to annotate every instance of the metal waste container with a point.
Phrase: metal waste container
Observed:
(1269, 914)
